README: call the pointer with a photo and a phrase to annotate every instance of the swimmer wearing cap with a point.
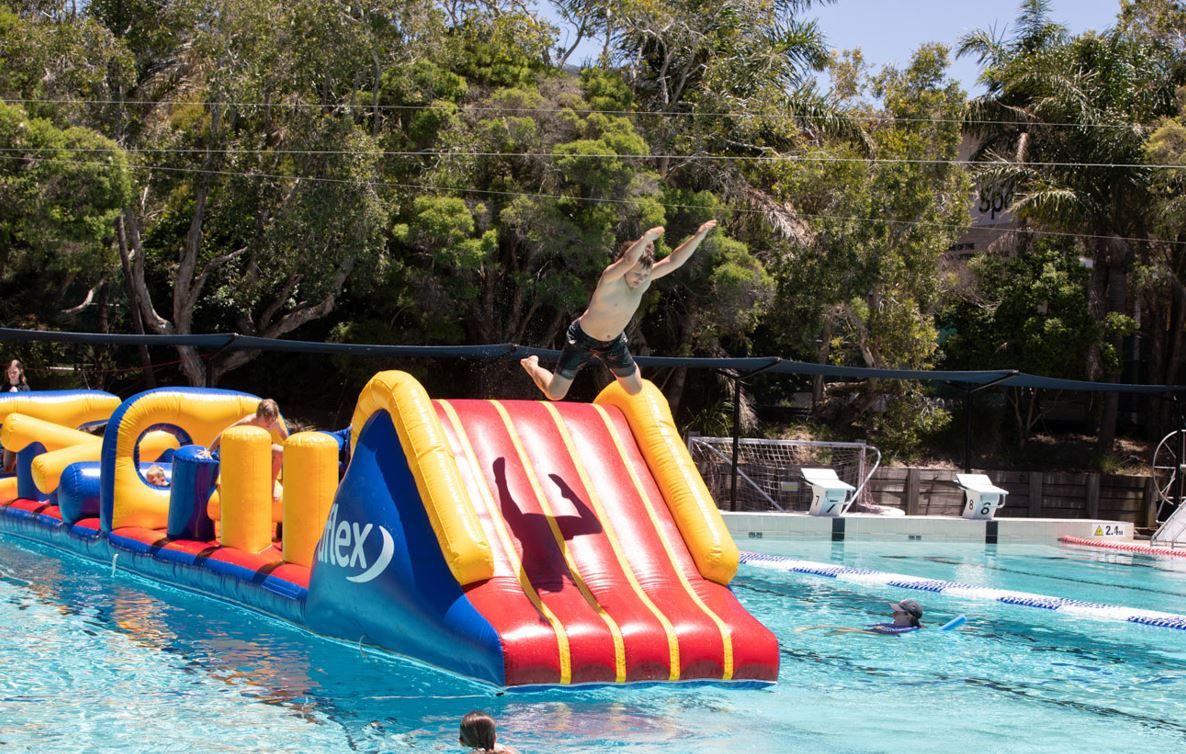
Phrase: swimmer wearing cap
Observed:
(907, 617)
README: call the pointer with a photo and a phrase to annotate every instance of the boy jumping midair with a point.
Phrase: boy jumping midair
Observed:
(600, 331)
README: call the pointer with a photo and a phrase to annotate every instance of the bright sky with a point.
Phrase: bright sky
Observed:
(888, 32)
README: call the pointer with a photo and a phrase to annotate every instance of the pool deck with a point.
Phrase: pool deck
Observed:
(869, 527)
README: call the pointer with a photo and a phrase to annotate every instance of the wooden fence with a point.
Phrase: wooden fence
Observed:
(1032, 494)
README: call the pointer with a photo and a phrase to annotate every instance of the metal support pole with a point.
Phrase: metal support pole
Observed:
(1003, 378)
(736, 441)
(968, 432)
(737, 378)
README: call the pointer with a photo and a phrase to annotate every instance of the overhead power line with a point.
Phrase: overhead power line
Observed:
(594, 200)
(580, 111)
(600, 156)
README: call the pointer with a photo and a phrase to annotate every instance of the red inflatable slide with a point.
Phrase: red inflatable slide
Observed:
(593, 580)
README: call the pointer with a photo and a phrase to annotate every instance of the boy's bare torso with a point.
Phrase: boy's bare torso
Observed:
(611, 308)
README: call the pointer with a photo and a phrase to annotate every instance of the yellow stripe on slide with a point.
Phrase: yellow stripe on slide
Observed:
(726, 633)
(422, 439)
(695, 513)
(529, 470)
(508, 545)
(612, 536)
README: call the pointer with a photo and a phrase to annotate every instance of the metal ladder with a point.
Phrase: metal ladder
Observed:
(1169, 474)
(1173, 531)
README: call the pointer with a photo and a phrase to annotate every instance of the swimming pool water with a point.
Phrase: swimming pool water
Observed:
(91, 661)
(1108, 576)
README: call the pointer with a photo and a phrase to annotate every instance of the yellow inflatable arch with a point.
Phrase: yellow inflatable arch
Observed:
(69, 408)
(50, 420)
(193, 415)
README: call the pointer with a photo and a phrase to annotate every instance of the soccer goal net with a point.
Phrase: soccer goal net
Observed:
(768, 475)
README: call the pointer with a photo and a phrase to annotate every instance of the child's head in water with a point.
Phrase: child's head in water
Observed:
(477, 731)
(156, 475)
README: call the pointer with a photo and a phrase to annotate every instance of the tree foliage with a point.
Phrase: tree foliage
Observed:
(437, 172)
(1030, 311)
(1062, 128)
(862, 286)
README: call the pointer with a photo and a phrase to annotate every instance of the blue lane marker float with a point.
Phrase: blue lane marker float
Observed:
(1079, 608)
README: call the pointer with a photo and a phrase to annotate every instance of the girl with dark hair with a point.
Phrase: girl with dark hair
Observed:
(14, 382)
(14, 378)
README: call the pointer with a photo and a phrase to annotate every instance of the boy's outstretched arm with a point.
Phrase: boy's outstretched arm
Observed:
(630, 257)
(683, 252)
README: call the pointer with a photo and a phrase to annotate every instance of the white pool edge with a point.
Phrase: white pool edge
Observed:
(866, 527)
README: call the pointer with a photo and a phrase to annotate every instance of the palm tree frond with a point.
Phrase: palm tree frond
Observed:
(817, 114)
(1060, 207)
(984, 44)
(782, 216)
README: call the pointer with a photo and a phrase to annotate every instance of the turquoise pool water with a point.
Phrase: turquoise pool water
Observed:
(95, 662)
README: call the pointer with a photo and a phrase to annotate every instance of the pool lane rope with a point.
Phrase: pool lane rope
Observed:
(1079, 608)
(1162, 552)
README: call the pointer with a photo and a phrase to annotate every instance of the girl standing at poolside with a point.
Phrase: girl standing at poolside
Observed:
(14, 378)
(14, 382)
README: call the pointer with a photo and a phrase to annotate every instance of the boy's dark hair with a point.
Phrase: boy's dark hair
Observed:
(477, 731)
(647, 259)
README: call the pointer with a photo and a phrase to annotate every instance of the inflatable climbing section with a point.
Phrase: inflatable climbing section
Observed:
(516, 542)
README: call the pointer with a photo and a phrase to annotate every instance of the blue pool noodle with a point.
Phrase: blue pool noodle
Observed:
(954, 623)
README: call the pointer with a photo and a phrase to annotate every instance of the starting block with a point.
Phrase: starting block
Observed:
(981, 497)
(829, 495)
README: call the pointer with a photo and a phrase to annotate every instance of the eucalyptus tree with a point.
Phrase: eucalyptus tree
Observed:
(732, 78)
(1163, 21)
(1028, 311)
(258, 147)
(1062, 127)
(1163, 274)
(61, 176)
(60, 192)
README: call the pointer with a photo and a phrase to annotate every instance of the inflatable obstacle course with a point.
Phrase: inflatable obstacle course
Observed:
(515, 542)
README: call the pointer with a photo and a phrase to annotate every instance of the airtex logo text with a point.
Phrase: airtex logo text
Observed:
(343, 544)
